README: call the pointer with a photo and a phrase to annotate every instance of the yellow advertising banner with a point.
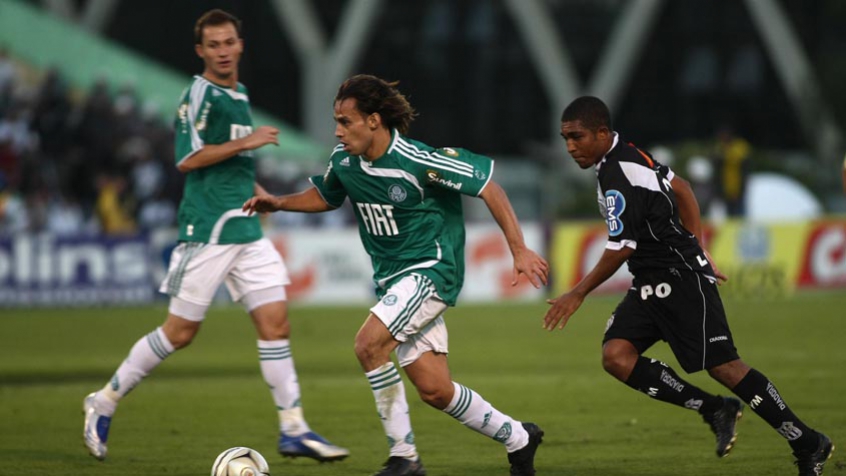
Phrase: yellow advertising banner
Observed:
(761, 260)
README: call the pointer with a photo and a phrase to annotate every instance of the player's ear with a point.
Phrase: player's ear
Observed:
(603, 132)
(374, 121)
(198, 48)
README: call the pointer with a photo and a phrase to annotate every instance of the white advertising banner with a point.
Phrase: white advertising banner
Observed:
(331, 267)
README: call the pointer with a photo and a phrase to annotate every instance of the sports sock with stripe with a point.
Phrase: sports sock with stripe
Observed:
(476, 413)
(147, 353)
(277, 367)
(389, 392)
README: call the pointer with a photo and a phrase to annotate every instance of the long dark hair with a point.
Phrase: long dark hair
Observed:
(375, 95)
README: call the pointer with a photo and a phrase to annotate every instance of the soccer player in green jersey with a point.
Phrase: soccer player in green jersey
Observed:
(407, 201)
(218, 243)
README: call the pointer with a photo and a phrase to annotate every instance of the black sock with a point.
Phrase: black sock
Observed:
(659, 381)
(762, 397)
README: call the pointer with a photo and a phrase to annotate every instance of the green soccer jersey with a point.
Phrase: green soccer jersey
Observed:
(210, 211)
(408, 207)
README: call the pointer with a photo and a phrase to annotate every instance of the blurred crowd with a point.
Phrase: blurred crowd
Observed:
(71, 163)
(98, 161)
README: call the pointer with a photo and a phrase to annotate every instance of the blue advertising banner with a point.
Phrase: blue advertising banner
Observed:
(46, 270)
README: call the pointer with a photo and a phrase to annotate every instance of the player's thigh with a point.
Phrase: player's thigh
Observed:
(257, 268)
(194, 274)
(691, 314)
(412, 312)
(632, 321)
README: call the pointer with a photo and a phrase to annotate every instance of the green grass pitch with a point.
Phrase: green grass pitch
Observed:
(211, 396)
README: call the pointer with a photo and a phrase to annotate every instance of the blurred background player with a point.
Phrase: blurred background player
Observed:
(653, 225)
(407, 199)
(218, 243)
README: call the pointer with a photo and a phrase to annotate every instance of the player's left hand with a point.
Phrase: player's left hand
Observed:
(530, 264)
(260, 204)
(721, 278)
(562, 308)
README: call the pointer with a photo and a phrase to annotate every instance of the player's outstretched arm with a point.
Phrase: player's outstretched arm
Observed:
(691, 219)
(212, 154)
(308, 201)
(526, 261)
(568, 303)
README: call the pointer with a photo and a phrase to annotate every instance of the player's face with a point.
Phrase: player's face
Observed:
(220, 50)
(353, 128)
(585, 146)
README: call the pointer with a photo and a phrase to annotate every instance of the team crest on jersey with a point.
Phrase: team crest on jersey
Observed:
(481, 175)
(389, 300)
(396, 193)
(450, 151)
(615, 205)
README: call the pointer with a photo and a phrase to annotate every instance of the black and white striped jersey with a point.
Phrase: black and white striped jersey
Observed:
(638, 203)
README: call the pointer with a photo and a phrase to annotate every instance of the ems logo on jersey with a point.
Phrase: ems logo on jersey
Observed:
(389, 300)
(396, 193)
(615, 204)
(481, 175)
(450, 151)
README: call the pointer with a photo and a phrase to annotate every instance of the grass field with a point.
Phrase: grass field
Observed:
(211, 396)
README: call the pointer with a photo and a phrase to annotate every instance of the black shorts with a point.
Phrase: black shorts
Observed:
(680, 307)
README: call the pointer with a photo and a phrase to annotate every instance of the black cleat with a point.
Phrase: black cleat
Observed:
(399, 466)
(723, 423)
(811, 463)
(523, 460)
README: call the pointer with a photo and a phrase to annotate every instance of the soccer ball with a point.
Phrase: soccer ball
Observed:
(240, 461)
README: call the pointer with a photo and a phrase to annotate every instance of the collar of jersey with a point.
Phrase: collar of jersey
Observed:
(613, 145)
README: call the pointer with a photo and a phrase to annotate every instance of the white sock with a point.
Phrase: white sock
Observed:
(389, 392)
(475, 413)
(277, 367)
(145, 355)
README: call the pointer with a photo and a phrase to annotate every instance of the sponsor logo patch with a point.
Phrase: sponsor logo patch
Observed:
(615, 205)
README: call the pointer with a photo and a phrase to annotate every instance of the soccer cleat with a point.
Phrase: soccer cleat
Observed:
(399, 466)
(523, 460)
(310, 445)
(812, 463)
(96, 430)
(723, 423)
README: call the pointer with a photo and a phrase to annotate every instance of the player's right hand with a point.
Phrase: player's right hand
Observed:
(562, 308)
(262, 136)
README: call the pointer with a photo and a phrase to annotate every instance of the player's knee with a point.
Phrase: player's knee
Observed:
(435, 397)
(616, 363)
(368, 352)
(181, 338)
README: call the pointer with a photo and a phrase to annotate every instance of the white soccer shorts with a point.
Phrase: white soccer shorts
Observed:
(414, 314)
(196, 270)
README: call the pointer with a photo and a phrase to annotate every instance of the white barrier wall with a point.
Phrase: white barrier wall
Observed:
(331, 267)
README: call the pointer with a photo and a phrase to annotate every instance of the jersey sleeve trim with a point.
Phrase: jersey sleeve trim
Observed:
(187, 156)
(490, 176)
(619, 245)
(311, 179)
